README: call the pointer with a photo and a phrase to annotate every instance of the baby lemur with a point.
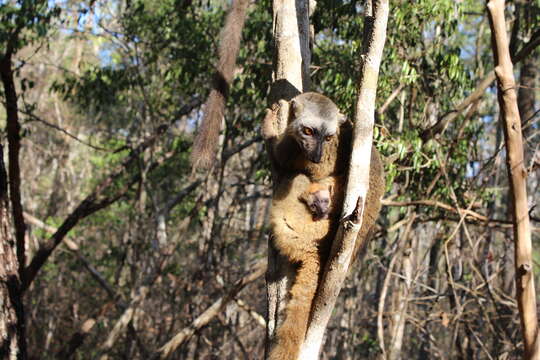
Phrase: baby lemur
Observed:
(302, 231)
(317, 197)
(313, 151)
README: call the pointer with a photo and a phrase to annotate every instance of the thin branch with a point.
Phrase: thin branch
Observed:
(217, 307)
(439, 204)
(99, 198)
(74, 247)
(62, 130)
(390, 99)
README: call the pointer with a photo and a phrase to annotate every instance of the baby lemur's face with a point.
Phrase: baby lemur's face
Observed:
(318, 202)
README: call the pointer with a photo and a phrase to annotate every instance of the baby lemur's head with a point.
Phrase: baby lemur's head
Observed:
(318, 200)
(314, 120)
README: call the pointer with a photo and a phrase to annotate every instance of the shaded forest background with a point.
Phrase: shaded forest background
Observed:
(109, 97)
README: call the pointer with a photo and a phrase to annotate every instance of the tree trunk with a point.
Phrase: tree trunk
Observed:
(14, 144)
(511, 122)
(290, 78)
(12, 332)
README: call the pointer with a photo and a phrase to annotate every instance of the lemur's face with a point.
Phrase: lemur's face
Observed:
(312, 141)
(314, 125)
(318, 203)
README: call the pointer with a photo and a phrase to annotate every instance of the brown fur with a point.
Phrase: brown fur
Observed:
(203, 152)
(295, 235)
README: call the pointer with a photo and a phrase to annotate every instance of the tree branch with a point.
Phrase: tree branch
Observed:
(74, 247)
(445, 119)
(99, 198)
(517, 174)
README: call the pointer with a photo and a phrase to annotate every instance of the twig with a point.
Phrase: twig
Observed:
(64, 131)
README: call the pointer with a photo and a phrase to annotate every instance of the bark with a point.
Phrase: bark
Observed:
(12, 328)
(291, 44)
(14, 144)
(358, 180)
(517, 175)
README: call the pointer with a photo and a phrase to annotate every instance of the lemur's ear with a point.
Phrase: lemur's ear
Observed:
(296, 108)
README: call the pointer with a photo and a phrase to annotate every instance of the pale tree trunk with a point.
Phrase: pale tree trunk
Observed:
(336, 268)
(517, 174)
(402, 294)
(12, 334)
(290, 78)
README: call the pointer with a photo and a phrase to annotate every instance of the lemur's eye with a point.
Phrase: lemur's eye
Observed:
(307, 131)
(328, 138)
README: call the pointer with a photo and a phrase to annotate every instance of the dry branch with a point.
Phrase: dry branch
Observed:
(439, 204)
(517, 174)
(74, 247)
(217, 307)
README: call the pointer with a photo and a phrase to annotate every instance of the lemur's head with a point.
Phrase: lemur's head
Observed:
(314, 121)
(318, 200)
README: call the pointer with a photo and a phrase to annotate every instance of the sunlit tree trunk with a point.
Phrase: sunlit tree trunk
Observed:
(517, 174)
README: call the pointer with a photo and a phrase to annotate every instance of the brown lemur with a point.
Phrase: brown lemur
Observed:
(314, 148)
(207, 139)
